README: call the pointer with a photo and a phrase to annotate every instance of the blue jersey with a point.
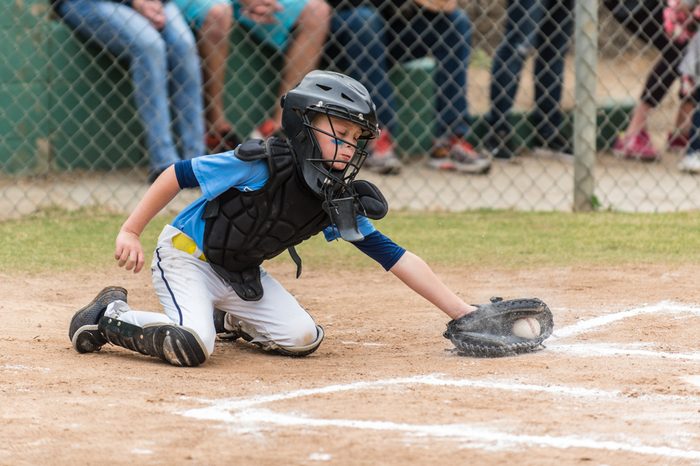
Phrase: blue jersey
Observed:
(216, 174)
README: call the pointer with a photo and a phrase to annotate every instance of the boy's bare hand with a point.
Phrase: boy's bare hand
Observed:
(128, 251)
(152, 10)
(261, 11)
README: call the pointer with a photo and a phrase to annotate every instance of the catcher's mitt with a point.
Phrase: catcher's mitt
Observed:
(488, 331)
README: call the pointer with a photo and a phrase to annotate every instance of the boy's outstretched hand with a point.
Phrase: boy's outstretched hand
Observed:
(128, 251)
(502, 328)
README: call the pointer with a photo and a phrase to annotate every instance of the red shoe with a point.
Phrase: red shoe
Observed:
(267, 129)
(636, 146)
(222, 141)
(454, 153)
(677, 141)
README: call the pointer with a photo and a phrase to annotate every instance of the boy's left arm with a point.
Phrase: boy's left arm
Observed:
(486, 331)
(417, 275)
(407, 267)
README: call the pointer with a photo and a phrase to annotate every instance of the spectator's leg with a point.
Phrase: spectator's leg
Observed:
(553, 44)
(636, 142)
(357, 46)
(662, 75)
(640, 115)
(185, 82)
(449, 39)
(684, 115)
(656, 86)
(129, 36)
(304, 52)
(641, 19)
(213, 41)
(691, 162)
(508, 61)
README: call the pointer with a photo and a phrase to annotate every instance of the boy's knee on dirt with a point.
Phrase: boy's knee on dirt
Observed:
(304, 340)
(298, 337)
(207, 335)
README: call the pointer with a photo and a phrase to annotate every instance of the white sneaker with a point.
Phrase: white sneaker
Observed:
(455, 153)
(690, 163)
(382, 158)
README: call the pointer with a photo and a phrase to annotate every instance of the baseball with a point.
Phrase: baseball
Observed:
(527, 327)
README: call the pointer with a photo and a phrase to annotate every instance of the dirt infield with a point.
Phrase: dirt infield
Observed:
(618, 384)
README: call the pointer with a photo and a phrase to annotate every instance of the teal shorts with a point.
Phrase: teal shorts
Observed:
(276, 35)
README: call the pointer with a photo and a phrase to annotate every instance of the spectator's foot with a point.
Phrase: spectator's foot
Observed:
(267, 129)
(690, 163)
(455, 154)
(553, 146)
(677, 141)
(382, 158)
(636, 146)
(222, 140)
(499, 145)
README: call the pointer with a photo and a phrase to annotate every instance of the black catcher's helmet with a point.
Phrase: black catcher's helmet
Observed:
(333, 95)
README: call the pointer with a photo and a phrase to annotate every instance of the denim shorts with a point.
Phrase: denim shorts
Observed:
(276, 35)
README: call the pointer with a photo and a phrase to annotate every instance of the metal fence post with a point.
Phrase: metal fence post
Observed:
(585, 66)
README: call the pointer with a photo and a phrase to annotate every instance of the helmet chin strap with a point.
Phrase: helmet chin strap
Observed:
(343, 214)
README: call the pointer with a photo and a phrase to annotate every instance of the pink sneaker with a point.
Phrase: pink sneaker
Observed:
(636, 146)
(677, 141)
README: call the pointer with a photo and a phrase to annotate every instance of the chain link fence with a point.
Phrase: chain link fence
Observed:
(572, 105)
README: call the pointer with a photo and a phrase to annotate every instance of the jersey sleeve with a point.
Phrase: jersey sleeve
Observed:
(218, 172)
(377, 246)
(185, 174)
(380, 248)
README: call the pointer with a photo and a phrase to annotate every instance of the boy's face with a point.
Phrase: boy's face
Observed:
(336, 150)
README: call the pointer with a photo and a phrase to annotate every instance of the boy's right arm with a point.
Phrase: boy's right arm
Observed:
(128, 251)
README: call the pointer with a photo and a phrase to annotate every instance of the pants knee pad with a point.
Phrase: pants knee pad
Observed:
(299, 351)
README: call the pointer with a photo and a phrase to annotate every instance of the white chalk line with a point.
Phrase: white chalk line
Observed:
(602, 350)
(244, 414)
(473, 436)
(663, 307)
(692, 379)
(240, 412)
(431, 379)
(19, 367)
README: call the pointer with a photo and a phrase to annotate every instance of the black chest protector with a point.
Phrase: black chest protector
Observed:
(245, 228)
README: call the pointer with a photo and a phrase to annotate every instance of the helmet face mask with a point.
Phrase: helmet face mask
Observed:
(324, 96)
(339, 170)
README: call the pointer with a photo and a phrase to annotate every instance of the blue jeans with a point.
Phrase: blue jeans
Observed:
(358, 45)
(545, 26)
(163, 65)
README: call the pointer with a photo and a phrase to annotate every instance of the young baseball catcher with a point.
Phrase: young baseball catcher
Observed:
(258, 201)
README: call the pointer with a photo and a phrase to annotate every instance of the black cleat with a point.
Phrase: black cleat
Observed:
(83, 332)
